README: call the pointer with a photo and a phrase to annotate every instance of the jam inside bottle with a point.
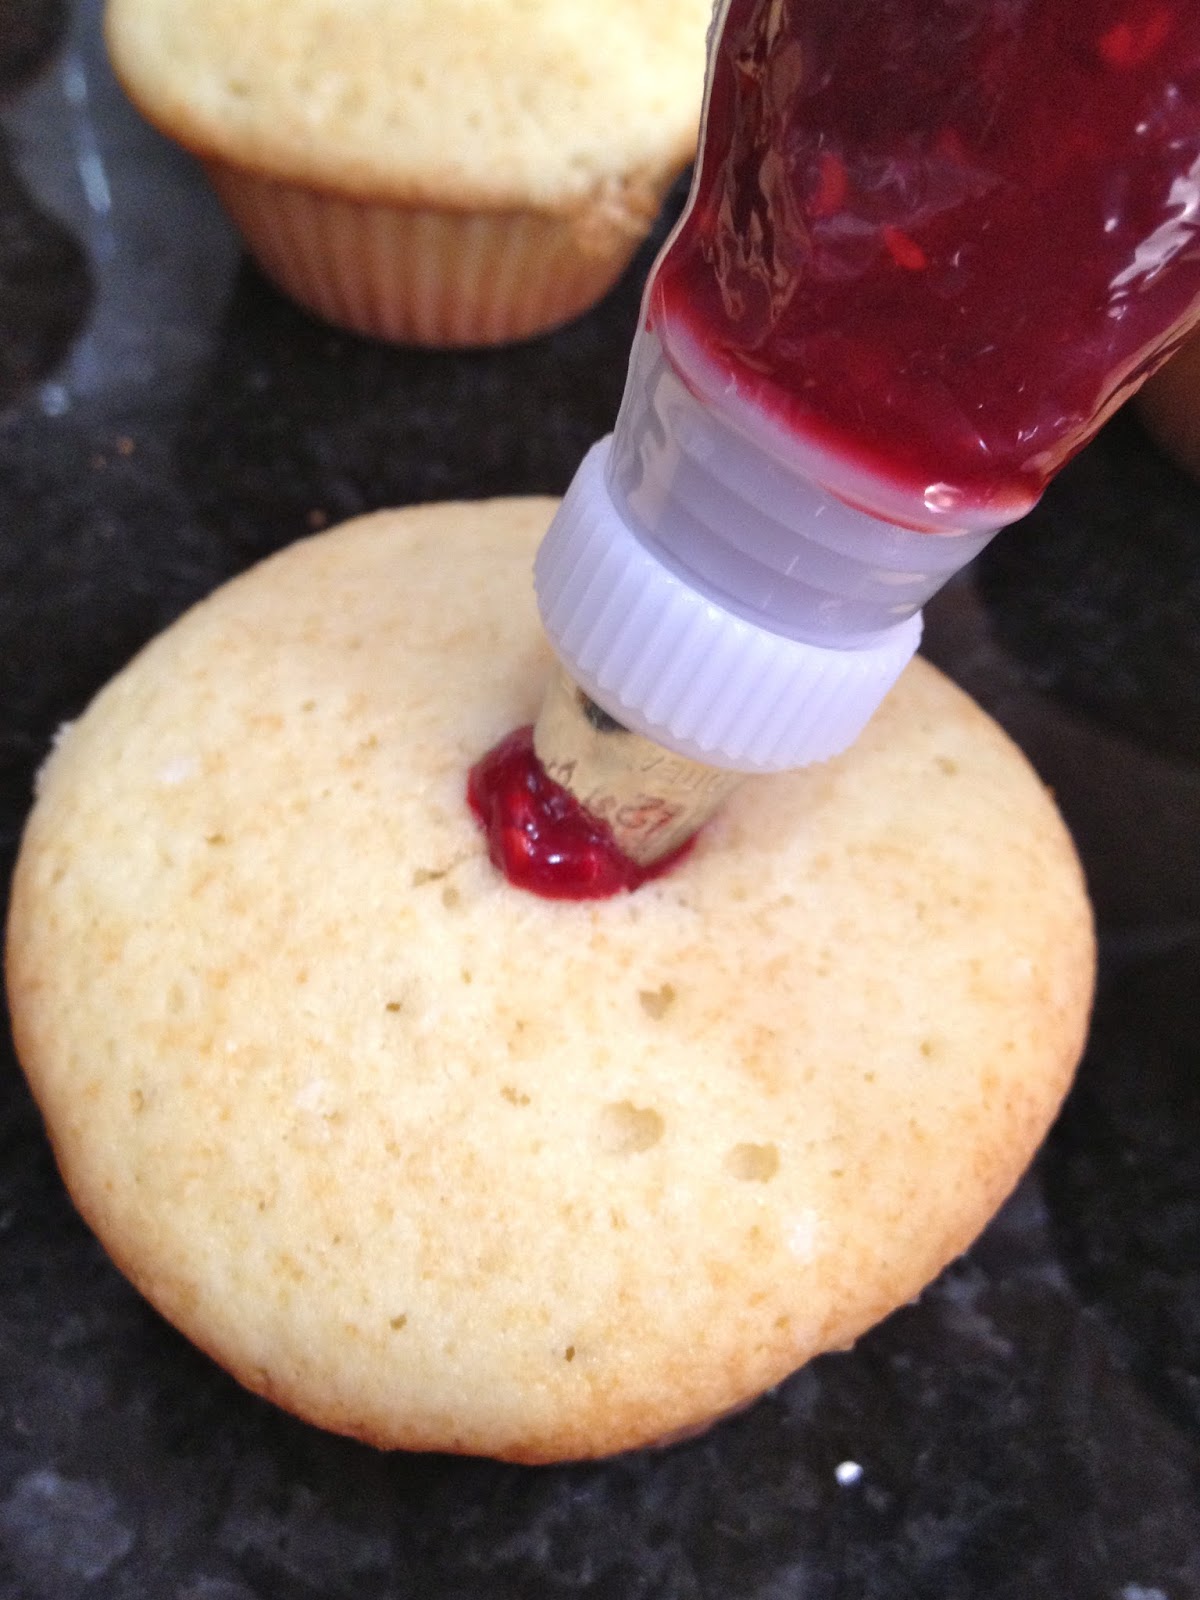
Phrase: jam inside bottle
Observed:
(931, 245)
(941, 240)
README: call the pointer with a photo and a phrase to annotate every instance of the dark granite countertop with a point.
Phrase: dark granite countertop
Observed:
(1030, 1428)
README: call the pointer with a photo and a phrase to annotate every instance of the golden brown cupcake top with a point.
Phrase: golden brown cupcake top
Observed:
(442, 1165)
(455, 103)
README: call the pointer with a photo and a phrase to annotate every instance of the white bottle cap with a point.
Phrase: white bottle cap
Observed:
(664, 658)
(705, 585)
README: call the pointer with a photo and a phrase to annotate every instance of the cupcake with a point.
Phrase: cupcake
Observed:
(436, 172)
(443, 1165)
(1169, 404)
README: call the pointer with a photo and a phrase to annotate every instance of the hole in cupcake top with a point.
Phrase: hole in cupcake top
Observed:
(753, 1163)
(657, 1002)
(626, 1129)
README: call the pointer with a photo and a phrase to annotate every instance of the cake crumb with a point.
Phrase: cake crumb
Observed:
(313, 1096)
(178, 770)
(56, 739)
(803, 1233)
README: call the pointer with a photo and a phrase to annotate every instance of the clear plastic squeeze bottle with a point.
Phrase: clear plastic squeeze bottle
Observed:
(931, 245)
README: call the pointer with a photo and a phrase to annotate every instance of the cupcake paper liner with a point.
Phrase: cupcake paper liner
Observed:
(421, 275)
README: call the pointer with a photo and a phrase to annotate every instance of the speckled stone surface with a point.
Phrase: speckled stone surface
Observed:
(1031, 1428)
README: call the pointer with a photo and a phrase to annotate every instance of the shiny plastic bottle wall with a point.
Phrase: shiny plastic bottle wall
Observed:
(941, 239)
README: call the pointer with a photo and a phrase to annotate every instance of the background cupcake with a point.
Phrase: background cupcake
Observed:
(1170, 405)
(441, 172)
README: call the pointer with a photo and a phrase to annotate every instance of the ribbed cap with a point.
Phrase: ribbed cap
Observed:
(670, 662)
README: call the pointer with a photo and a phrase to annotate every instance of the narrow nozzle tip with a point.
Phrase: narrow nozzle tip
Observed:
(651, 800)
